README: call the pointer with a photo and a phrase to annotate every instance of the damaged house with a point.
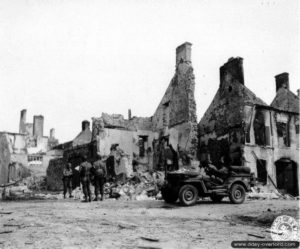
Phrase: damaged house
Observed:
(71, 152)
(244, 130)
(28, 150)
(174, 119)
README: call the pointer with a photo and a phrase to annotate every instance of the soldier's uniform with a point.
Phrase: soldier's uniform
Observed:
(85, 178)
(99, 178)
(67, 180)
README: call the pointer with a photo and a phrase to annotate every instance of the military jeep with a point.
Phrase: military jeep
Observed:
(189, 186)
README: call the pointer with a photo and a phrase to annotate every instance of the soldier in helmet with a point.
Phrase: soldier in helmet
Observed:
(67, 180)
(85, 178)
(99, 172)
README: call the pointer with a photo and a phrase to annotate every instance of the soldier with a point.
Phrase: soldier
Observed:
(85, 178)
(99, 172)
(67, 180)
(110, 164)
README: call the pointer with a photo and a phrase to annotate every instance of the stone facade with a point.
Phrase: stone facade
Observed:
(175, 117)
(244, 130)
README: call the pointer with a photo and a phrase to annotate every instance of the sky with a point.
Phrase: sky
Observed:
(71, 60)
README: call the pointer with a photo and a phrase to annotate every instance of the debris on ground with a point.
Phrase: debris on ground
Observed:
(26, 189)
(6, 231)
(150, 239)
(265, 219)
(140, 186)
(263, 192)
(5, 212)
(256, 236)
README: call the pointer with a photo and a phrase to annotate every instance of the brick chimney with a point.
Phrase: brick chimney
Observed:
(38, 125)
(22, 125)
(282, 81)
(183, 53)
(232, 71)
(52, 133)
(85, 125)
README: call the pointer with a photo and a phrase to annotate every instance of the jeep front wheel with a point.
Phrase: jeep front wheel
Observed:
(237, 194)
(188, 195)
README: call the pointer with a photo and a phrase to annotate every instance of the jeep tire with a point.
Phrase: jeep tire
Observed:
(237, 193)
(188, 195)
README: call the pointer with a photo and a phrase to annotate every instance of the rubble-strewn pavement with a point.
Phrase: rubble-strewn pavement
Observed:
(68, 223)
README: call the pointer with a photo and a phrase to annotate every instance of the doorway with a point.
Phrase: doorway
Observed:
(286, 176)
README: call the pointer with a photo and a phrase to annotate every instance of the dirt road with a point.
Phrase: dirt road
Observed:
(136, 224)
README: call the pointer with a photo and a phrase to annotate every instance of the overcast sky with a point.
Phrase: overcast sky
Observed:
(72, 60)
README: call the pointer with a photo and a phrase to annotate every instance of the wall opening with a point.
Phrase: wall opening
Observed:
(283, 133)
(166, 118)
(286, 176)
(261, 166)
(143, 142)
(261, 131)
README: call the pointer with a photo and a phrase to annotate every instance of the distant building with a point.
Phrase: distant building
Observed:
(29, 148)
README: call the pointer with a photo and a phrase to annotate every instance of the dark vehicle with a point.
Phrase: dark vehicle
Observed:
(189, 186)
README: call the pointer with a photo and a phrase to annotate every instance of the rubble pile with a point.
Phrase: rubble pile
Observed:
(25, 189)
(141, 186)
(263, 192)
(36, 183)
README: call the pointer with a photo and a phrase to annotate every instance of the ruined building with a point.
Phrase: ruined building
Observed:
(174, 119)
(29, 148)
(244, 130)
(237, 126)
(71, 152)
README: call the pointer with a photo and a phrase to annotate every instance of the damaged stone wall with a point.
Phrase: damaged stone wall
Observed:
(115, 129)
(176, 114)
(13, 163)
(222, 128)
(175, 117)
(246, 131)
(117, 121)
(4, 158)
(275, 149)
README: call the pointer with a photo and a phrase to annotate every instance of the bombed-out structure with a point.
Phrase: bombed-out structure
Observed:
(26, 150)
(174, 120)
(244, 130)
(238, 128)
(71, 152)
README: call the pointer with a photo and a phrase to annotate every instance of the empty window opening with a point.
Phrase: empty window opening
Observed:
(143, 142)
(283, 133)
(261, 132)
(261, 166)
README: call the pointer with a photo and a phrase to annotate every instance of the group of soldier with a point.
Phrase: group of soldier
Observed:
(89, 172)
